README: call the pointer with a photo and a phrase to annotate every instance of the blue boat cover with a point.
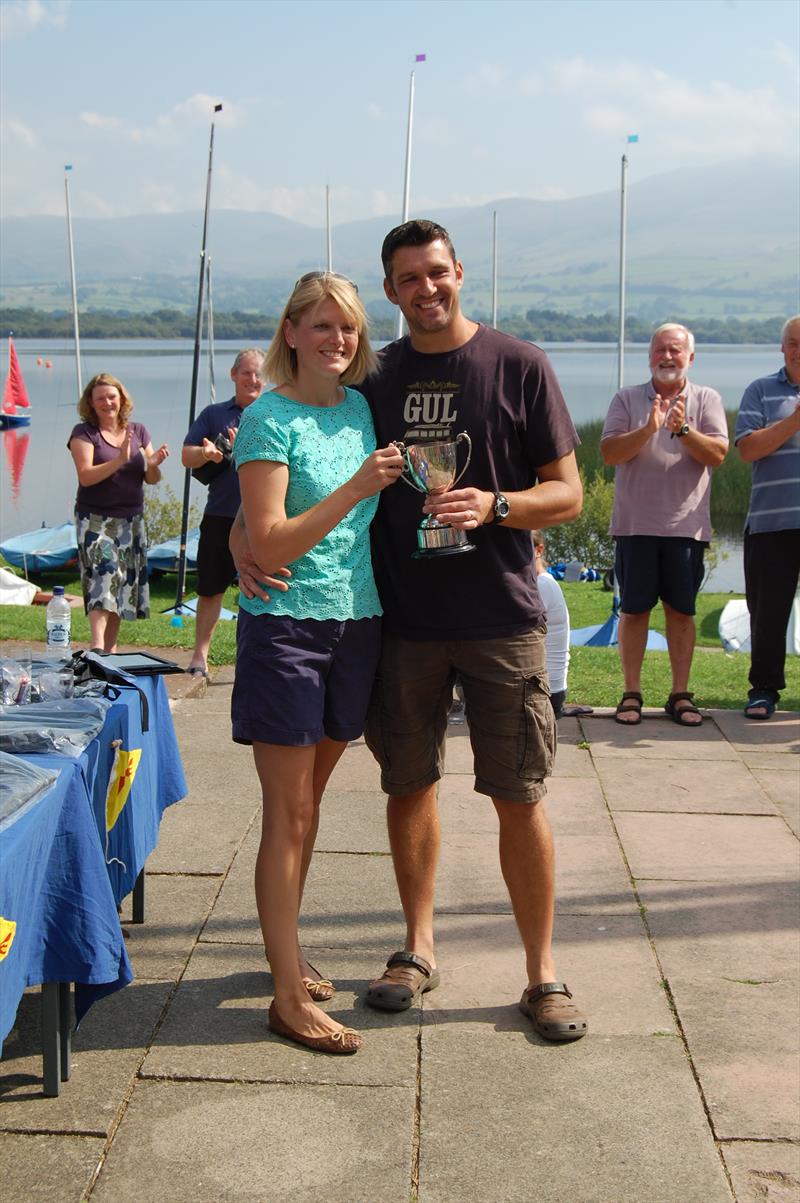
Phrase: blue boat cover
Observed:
(164, 556)
(48, 547)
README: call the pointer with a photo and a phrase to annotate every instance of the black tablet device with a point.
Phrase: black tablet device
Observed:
(136, 663)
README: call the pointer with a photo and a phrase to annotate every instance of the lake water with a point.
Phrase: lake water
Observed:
(158, 376)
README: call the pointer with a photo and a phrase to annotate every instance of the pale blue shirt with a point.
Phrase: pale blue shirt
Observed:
(322, 448)
(775, 496)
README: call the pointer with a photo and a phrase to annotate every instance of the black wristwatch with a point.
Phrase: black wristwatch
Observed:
(501, 507)
(683, 430)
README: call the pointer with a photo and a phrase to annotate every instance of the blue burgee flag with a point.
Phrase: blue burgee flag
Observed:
(633, 137)
(420, 58)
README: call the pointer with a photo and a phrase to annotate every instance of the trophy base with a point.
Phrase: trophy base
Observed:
(436, 540)
(427, 553)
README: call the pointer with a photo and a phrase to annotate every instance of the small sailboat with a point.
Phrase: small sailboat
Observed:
(15, 409)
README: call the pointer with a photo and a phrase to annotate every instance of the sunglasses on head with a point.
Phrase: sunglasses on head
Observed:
(321, 276)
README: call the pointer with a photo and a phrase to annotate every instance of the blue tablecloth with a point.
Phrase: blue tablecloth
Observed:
(63, 872)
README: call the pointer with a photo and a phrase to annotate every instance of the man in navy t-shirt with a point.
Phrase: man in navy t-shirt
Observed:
(215, 567)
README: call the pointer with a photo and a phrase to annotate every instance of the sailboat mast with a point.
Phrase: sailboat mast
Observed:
(75, 327)
(328, 228)
(198, 329)
(407, 179)
(494, 269)
(623, 219)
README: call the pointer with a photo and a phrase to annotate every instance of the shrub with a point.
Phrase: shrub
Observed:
(587, 538)
(162, 514)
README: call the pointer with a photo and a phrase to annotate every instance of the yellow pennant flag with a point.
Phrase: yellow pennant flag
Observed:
(7, 929)
(119, 787)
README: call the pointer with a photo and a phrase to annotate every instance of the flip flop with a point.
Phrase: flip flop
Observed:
(677, 715)
(196, 671)
(760, 701)
(553, 1016)
(404, 980)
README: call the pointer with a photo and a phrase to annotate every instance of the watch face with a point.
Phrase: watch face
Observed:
(501, 507)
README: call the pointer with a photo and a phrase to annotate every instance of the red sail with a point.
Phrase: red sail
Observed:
(16, 448)
(15, 395)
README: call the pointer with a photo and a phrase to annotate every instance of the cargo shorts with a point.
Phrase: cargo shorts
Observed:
(512, 727)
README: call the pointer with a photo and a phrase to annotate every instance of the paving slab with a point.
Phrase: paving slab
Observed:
(656, 738)
(783, 788)
(357, 770)
(716, 787)
(203, 837)
(496, 1126)
(106, 1052)
(176, 907)
(703, 847)
(780, 734)
(352, 821)
(41, 1169)
(217, 1025)
(763, 1173)
(350, 901)
(261, 1144)
(606, 961)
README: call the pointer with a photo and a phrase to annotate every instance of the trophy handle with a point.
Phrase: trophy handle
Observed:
(460, 438)
(401, 447)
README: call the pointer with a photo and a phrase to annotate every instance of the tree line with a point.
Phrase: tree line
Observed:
(538, 325)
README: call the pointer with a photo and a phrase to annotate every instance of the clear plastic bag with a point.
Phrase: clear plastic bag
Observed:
(65, 726)
(21, 786)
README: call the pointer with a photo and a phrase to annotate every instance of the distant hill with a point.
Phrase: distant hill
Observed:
(718, 241)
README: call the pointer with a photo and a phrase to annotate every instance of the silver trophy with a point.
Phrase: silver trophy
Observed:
(432, 469)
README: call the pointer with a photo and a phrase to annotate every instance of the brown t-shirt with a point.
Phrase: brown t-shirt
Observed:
(504, 393)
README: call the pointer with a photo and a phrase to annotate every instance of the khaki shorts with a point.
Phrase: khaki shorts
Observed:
(507, 695)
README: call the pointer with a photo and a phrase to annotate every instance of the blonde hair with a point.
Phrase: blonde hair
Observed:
(125, 402)
(280, 364)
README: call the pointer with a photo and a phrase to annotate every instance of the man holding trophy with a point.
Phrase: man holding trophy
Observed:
(478, 616)
(463, 400)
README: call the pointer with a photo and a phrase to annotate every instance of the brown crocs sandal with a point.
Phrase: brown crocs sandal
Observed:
(404, 980)
(634, 706)
(676, 713)
(552, 1015)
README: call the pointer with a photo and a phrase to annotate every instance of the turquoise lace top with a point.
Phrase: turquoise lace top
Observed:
(322, 449)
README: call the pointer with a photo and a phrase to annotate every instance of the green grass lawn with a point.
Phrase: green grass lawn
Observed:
(718, 680)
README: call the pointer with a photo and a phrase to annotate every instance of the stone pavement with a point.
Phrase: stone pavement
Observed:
(676, 928)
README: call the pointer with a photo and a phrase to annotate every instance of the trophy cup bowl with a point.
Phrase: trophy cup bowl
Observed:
(432, 470)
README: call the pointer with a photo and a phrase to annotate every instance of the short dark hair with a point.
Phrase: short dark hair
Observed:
(413, 233)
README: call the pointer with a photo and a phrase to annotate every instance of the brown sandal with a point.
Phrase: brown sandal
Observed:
(676, 713)
(636, 708)
(404, 980)
(553, 1016)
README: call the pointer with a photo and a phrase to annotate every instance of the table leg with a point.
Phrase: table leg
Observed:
(51, 1039)
(65, 1027)
(137, 899)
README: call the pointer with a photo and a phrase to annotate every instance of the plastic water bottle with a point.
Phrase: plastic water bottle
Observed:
(59, 621)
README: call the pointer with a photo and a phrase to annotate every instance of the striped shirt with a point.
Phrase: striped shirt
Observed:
(775, 496)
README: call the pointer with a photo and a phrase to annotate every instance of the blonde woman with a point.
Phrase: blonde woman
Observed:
(309, 474)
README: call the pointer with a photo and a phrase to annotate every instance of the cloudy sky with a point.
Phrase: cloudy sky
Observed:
(516, 98)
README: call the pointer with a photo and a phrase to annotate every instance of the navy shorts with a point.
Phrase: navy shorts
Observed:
(299, 679)
(215, 567)
(649, 567)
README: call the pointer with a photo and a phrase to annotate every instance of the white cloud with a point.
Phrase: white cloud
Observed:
(489, 77)
(14, 130)
(675, 116)
(99, 121)
(21, 17)
(784, 54)
(168, 127)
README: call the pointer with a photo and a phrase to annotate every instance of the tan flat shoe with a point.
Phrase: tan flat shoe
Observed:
(341, 1043)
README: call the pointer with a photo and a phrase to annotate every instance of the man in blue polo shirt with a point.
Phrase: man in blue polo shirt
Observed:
(768, 437)
(215, 567)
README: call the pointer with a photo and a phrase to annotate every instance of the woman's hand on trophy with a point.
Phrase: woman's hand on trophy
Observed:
(378, 470)
(464, 509)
